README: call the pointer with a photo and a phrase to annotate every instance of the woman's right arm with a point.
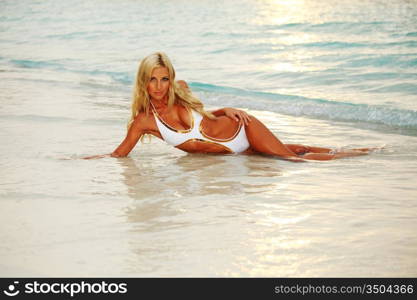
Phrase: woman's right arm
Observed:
(134, 133)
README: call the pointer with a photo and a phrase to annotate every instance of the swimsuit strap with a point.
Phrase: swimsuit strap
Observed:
(170, 127)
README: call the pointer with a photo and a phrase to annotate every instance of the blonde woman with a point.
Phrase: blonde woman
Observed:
(167, 109)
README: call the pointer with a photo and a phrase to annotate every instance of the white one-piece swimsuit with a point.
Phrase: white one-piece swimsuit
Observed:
(236, 144)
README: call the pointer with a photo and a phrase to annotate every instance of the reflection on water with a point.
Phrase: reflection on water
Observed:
(163, 192)
(191, 200)
(247, 216)
(198, 175)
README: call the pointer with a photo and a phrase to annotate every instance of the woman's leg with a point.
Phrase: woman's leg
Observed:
(330, 156)
(262, 140)
(302, 149)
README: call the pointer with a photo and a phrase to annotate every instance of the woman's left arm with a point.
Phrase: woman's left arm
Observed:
(233, 113)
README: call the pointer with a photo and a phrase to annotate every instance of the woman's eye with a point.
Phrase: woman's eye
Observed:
(165, 79)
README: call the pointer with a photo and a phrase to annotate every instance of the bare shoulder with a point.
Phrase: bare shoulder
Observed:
(183, 84)
(144, 121)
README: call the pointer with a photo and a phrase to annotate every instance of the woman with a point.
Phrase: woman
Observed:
(168, 110)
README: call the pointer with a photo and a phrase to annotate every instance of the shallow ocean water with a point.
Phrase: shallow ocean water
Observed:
(320, 73)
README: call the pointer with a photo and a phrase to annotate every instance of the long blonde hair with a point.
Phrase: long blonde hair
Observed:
(176, 94)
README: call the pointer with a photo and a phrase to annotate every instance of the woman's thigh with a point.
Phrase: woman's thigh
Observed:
(262, 140)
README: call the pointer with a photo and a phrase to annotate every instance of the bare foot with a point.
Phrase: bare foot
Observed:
(371, 149)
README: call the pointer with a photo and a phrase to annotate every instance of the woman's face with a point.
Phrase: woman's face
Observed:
(158, 85)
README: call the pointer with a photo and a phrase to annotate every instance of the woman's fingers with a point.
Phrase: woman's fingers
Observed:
(244, 117)
(96, 156)
(238, 115)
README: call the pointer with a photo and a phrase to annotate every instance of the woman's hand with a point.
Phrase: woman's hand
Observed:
(97, 156)
(237, 115)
